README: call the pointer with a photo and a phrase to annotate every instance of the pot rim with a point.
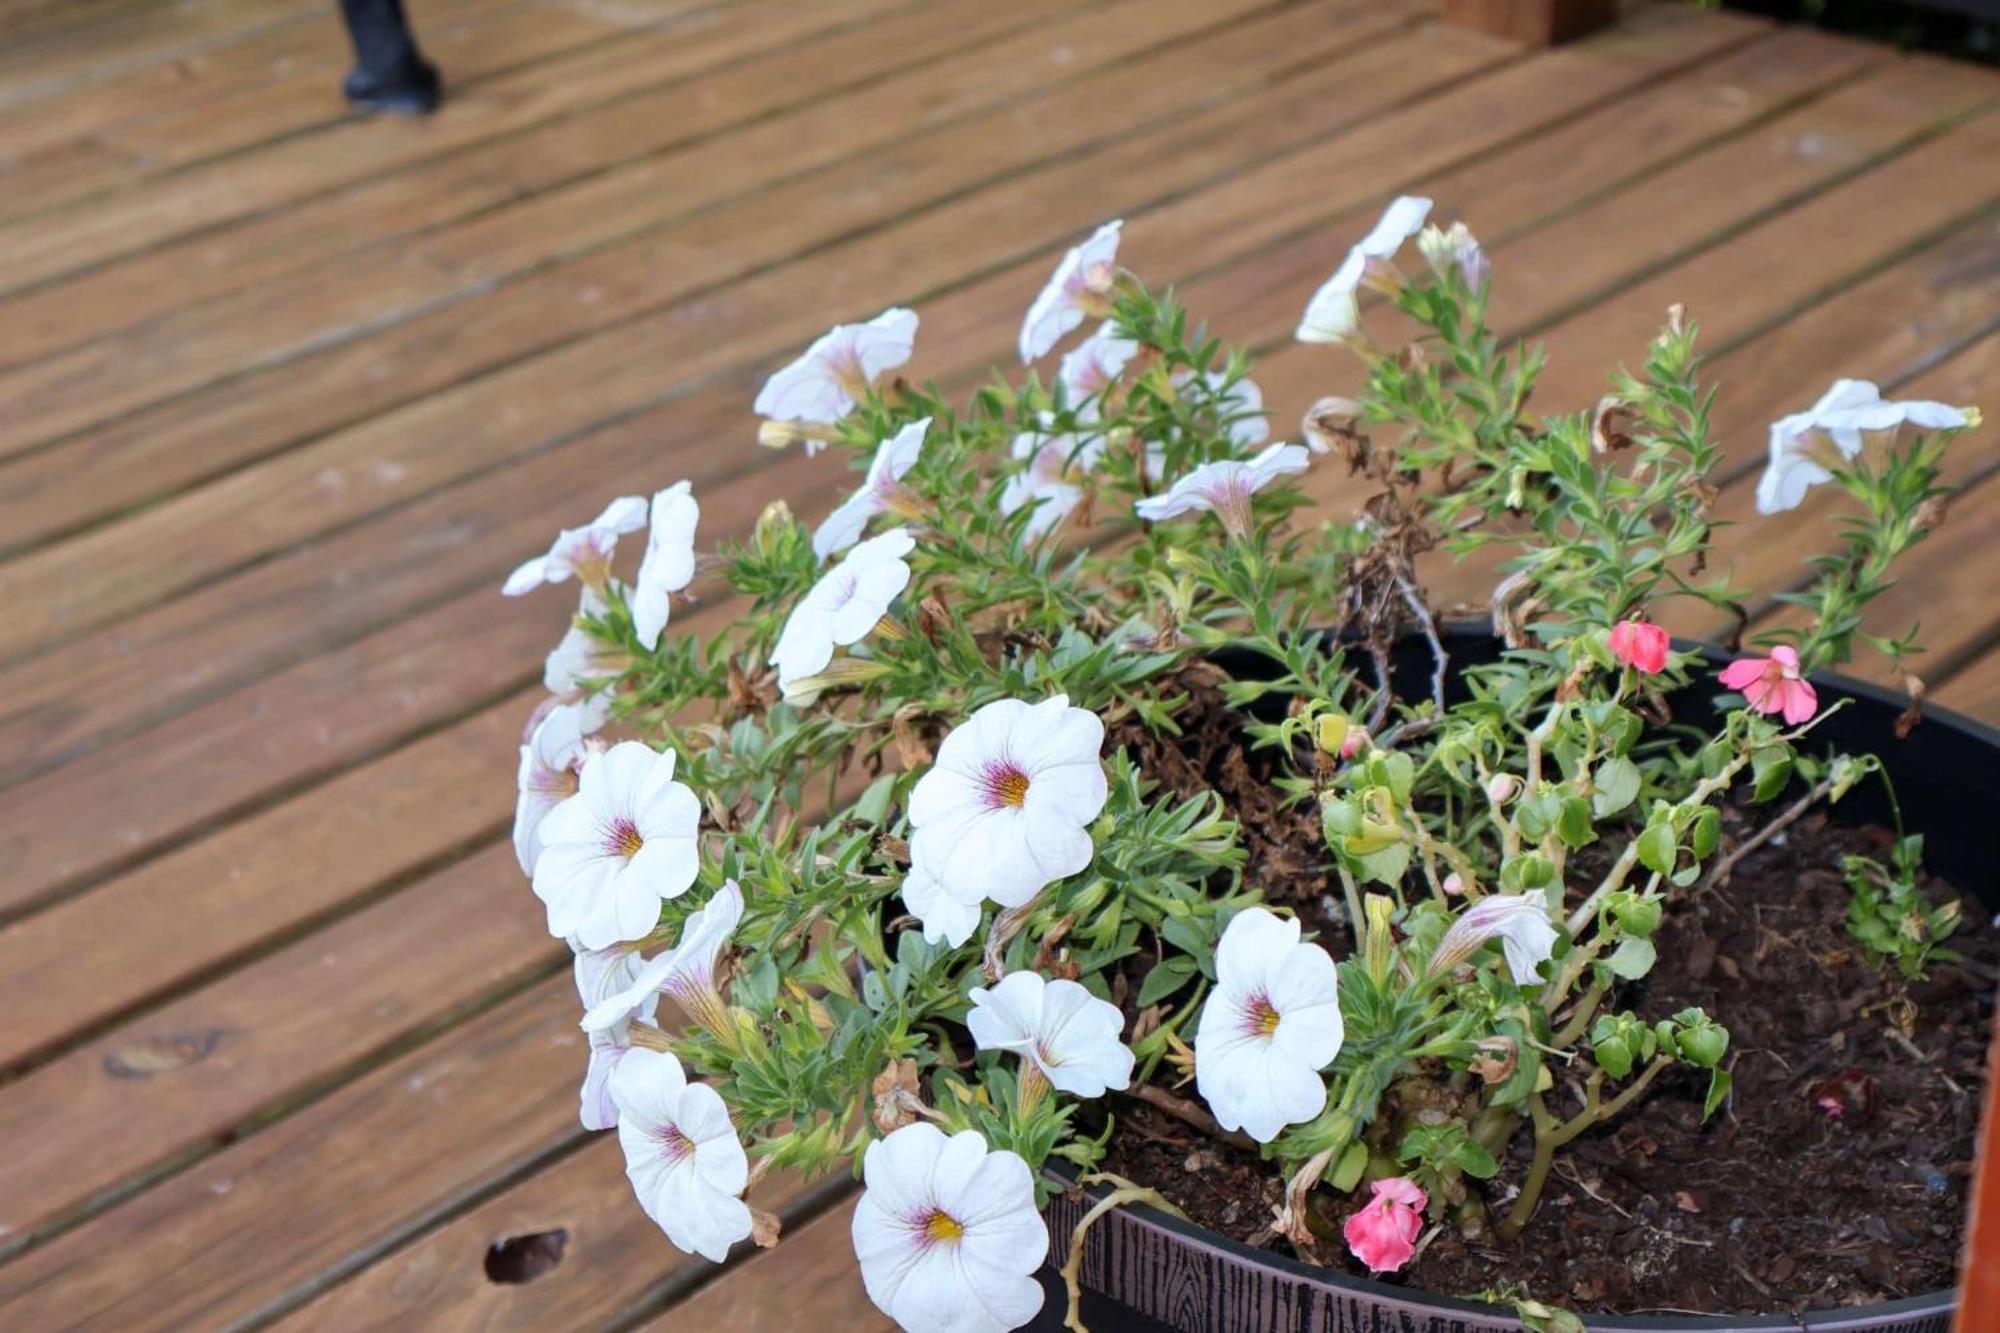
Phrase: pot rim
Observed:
(1932, 1304)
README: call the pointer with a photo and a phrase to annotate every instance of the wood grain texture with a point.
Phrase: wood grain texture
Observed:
(283, 393)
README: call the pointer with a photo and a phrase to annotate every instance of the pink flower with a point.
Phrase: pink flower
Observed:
(1773, 684)
(1641, 646)
(1383, 1232)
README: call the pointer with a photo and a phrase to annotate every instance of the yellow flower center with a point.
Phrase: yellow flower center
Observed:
(1263, 1018)
(942, 1227)
(1012, 788)
(625, 839)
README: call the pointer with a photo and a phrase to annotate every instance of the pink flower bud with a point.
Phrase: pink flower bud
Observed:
(1383, 1232)
(1502, 788)
(1453, 885)
(1641, 646)
(1355, 742)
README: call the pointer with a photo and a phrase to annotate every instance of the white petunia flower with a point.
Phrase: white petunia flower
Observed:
(945, 919)
(550, 759)
(686, 973)
(1060, 1028)
(1224, 487)
(1242, 404)
(1446, 249)
(580, 657)
(615, 850)
(834, 373)
(1798, 442)
(1052, 479)
(599, 973)
(1334, 313)
(948, 1234)
(1079, 289)
(1093, 366)
(1270, 1025)
(881, 491)
(584, 552)
(1519, 921)
(668, 565)
(681, 1154)
(843, 606)
(1006, 809)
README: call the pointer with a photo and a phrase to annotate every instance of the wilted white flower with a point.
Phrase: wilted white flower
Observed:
(1093, 366)
(843, 606)
(550, 760)
(681, 1154)
(668, 565)
(1269, 1026)
(945, 919)
(600, 973)
(1334, 313)
(824, 384)
(1006, 808)
(880, 492)
(615, 850)
(1079, 289)
(1455, 248)
(1225, 487)
(1519, 921)
(948, 1234)
(1058, 1027)
(1844, 413)
(686, 973)
(1052, 479)
(583, 552)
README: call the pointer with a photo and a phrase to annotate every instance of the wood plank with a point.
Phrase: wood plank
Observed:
(679, 111)
(810, 1278)
(196, 1071)
(613, 372)
(670, 232)
(614, 1265)
(321, 1189)
(300, 168)
(75, 45)
(272, 876)
(285, 83)
(1975, 690)
(323, 308)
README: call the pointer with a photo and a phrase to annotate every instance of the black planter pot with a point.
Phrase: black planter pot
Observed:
(1144, 1272)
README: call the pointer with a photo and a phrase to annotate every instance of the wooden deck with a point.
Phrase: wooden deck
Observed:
(284, 393)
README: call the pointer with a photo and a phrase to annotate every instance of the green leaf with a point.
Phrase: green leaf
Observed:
(1346, 1173)
(1168, 975)
(1771, 769)
(1633, 958)
(1718, 1089)
(1614, 1057)
(1617, 786)
(1656, 848)
(1386, 866)
(1473, 1159)
(1573, 822)
(1706, 832)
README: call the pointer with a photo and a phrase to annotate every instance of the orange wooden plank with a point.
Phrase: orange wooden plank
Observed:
(322, 1190)
(615, 1263)
(687, 114)
(285, 83)
(65, 46)
(193, 1072)
(39, 249)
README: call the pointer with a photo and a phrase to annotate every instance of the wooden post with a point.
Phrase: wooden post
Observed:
(1979, 1294)
(1532, 22)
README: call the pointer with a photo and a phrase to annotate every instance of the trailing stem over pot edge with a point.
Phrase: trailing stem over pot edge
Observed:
(869, 841)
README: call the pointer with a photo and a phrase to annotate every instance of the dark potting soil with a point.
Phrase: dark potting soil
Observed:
(1835, 1174)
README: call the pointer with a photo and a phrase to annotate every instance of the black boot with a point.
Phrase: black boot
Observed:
(390, 75)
